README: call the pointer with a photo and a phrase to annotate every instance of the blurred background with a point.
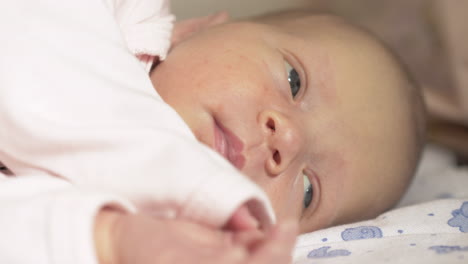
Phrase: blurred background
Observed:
(430, 37)
(237, 9)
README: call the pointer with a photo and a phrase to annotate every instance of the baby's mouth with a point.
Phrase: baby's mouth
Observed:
(228, 145)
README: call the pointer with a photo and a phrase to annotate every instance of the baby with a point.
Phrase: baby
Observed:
(317, 112)
(313, 110)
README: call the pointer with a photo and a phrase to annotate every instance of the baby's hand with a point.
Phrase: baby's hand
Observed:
(139, 239)
(242, 220)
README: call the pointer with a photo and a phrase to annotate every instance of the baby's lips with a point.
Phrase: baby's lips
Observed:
(242, 220)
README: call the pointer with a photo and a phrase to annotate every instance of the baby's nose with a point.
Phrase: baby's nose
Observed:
(283, 138)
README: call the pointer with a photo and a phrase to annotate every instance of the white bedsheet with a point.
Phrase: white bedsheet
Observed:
(430, 225)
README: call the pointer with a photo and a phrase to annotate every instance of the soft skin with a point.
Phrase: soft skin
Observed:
(352, 129)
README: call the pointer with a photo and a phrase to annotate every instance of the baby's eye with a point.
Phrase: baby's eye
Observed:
(308, 192)
(293, 78)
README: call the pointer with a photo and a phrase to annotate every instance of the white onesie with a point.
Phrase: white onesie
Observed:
(81, 127)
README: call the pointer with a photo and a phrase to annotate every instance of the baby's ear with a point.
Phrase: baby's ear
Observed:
(185, 28)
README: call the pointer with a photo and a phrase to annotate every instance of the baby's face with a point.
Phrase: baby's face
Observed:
(292, 111)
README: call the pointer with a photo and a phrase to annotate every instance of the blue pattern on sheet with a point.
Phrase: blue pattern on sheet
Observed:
(361, 232)
(460, 218)
(447, 249)
(324, 253)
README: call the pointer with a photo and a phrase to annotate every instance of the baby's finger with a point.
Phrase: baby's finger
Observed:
(277, 246)
(248, 239)
(242, 220)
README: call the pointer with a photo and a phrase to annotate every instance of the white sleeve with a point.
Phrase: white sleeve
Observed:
(75, 103)
(145, 24)
(45, 220)
(146, 27)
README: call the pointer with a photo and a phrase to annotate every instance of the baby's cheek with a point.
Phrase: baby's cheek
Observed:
(285, 192)
(289, 201)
